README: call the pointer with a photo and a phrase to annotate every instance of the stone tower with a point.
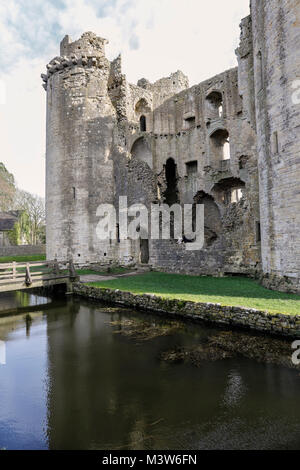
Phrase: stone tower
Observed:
(276, 61)
(80, 123)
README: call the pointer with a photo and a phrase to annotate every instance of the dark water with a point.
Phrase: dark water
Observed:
(72, 380)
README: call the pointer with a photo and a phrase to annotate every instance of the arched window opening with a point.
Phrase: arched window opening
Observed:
(141, 151)
(219, 146)
(214, 105)
(142, 109)
(143, 123)
(142, 106)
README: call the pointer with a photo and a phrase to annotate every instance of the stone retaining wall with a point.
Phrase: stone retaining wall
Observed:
(284, 325)
(20, 250)
(282, 284)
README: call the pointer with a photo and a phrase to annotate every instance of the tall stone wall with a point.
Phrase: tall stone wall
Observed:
(276, 54)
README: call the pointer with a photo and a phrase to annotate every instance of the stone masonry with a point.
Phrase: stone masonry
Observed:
(231, 143)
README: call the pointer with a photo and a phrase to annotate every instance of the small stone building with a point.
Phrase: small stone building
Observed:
(231, 143)
(7, 223)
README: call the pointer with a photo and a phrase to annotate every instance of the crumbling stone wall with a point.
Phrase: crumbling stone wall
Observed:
(181, 129)
(232, 140)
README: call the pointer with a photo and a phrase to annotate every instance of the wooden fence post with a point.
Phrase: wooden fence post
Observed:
(14, 271)
(28, 279)
(72, 271)
(56, 267)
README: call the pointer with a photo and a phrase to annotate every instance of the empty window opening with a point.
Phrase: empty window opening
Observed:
(74, 192)
(190, 122)
(159, 192)
(191, 173)
(258, 232)
(229, 190)
(232, 195)
(275, 143)
(260, 72)
(142, 107)
(215, 105)
(142, 151)
(118, 233)
(143, 123)
(191, 168)
(171, 193)
(219, 146)
(226, 150)
(236, 195)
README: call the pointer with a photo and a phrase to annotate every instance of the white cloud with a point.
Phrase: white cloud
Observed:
(155, 38)
(22, 132)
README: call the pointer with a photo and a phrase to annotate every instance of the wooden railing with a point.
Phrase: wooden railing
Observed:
(29, 272)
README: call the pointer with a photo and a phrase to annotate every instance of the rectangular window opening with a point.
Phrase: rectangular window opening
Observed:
(260, 71)
(258, 232)
(275, 143)
(191, 168)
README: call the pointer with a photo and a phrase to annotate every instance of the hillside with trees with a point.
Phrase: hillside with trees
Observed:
(7, 189)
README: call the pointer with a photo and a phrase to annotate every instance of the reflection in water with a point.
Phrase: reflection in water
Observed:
(25, 300)
(235, 389)
(92, 377)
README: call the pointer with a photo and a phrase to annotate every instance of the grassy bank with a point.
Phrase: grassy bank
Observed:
(22, 259)
(229, 291)
(111, 271)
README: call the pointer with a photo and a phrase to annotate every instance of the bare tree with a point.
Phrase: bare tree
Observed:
(34, 207)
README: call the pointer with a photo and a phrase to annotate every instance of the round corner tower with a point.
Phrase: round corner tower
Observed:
(79, 171)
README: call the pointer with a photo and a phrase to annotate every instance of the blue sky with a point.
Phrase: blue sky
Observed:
(155, 37)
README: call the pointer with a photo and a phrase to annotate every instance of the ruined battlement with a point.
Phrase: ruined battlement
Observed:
(88, 51)
(88, 44)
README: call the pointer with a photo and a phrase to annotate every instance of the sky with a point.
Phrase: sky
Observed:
(155, 38)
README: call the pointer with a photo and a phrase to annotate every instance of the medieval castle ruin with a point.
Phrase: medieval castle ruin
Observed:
(231, 143)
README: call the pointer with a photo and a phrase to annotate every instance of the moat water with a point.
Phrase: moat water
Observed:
(81, 375)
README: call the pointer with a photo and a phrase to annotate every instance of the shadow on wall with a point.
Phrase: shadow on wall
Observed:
(212, 217)
(141, 151)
